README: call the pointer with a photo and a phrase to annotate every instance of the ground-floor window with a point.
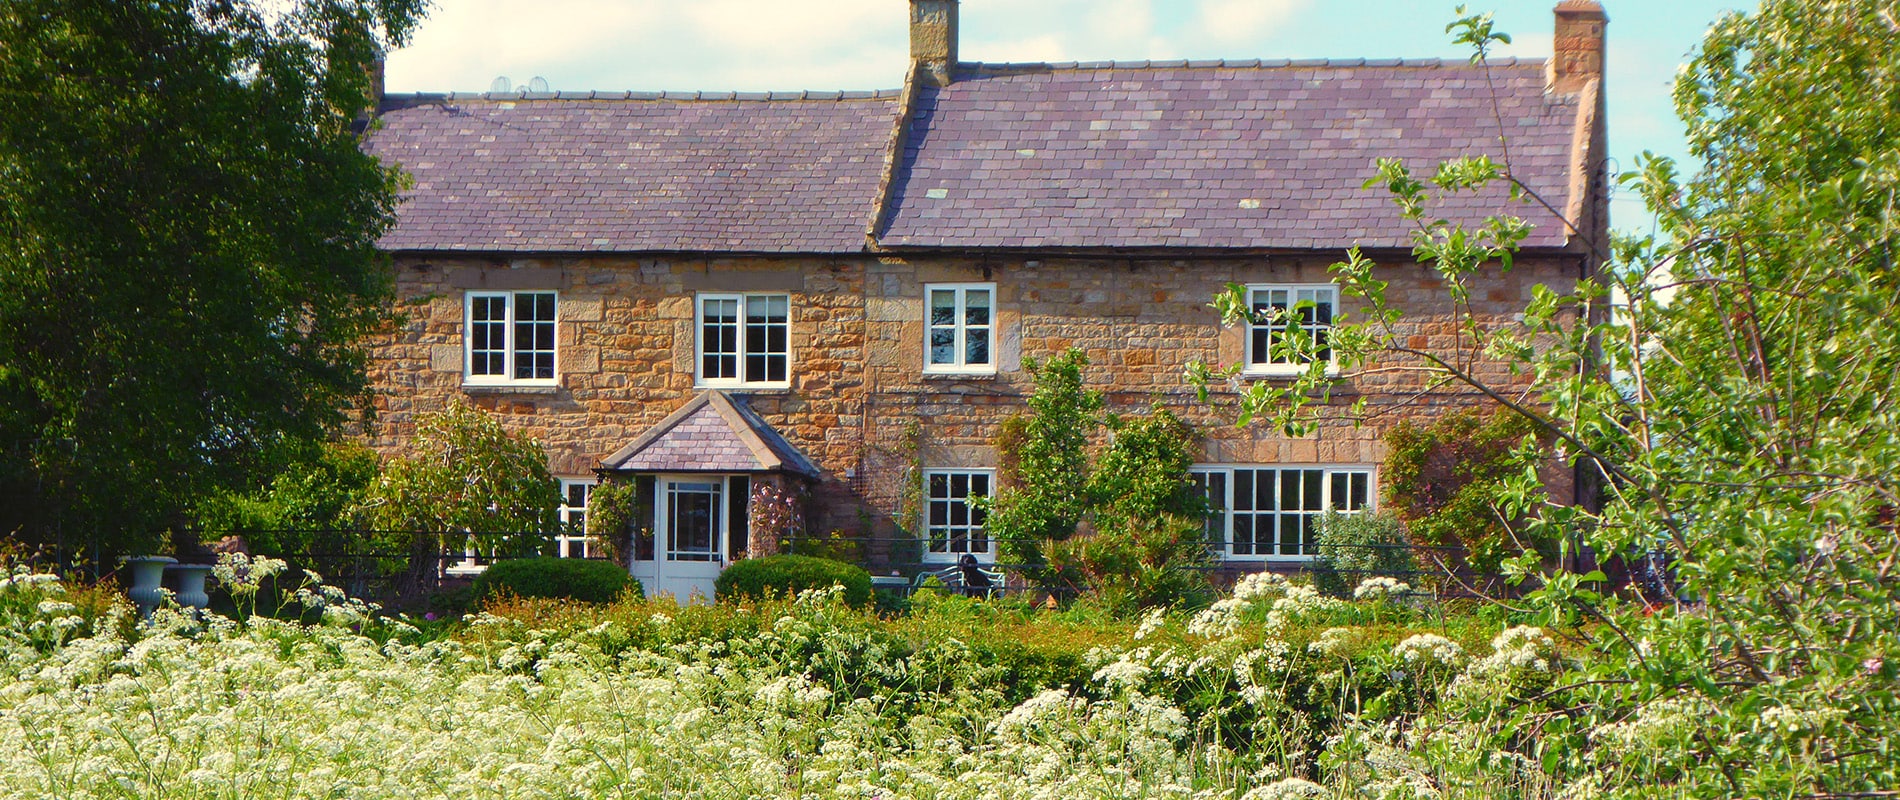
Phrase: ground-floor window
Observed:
(1272, 513)
(953, 515)
(571, 540)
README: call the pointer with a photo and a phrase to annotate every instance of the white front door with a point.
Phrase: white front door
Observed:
(689, 537)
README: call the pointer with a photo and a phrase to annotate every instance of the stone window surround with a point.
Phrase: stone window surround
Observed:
(1257, 365)
(1327, 501)
(949, 556)
(960, 368)
(699, 332)
(506, 379)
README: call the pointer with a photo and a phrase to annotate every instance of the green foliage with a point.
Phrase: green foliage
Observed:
(580, 579)
(786, 575)
(1448, 482)
(610, 518)
(464, 471)
(1738, 413)
(191, 259)
(1143, 472)
(1148, 546)
(833, 546)
(1353, 547)
(310, 506)
(1044, 496)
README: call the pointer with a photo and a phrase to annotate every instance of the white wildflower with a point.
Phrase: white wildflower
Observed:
(1122, 674)
(1797, 722)
(1260, 585)
(1219, 619)
(1381, 588)
(1150, 623)
(1332, 642)
(55, 608)
(1286, 789)
(1429, 648)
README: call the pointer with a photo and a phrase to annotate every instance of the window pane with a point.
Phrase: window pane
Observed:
(976, 307)
(943, 346)
(977, 346)
(488, 335)
(943, 307)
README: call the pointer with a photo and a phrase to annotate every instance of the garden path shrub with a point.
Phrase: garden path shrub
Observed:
(560, 578)
(1354, 547)
(783, 575)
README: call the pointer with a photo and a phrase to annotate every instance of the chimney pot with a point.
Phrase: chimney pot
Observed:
(933, 40)
(1577, 46)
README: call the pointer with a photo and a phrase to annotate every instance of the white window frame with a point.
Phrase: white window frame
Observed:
(961, 328)
(567, 513)
(1226, 511)
(508, 351)
(699, 341)
(949, 556)
(1259, 364)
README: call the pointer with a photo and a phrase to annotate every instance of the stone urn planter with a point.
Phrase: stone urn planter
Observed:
(191, 584)
(148, 572)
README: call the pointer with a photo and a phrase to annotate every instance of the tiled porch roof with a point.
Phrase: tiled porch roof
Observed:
(711, 433)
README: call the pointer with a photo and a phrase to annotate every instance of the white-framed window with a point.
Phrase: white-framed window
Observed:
(571, 541)
(1278, 308)
(960, 328)
(1260, 513)
(744, 339)
(953, 525)
(508, 338)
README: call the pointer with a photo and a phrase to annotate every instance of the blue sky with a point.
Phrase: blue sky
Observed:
(752, 45)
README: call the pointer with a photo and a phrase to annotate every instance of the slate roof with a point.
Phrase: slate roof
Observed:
(711, 433)
(637, 172)
(1218, 154)
(1215, 154)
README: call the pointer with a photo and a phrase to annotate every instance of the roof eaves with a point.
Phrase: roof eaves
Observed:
(395, 101)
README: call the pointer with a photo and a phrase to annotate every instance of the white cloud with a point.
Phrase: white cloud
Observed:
(1239, 22)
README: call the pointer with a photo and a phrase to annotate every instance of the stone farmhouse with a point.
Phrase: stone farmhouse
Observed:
(707, 292)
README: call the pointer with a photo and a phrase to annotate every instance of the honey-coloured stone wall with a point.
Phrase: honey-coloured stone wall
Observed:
(859, 403)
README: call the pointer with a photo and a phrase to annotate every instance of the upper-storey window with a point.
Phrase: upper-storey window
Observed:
(1306, 311)
(960, 334)
(744, 339)
(509, 337)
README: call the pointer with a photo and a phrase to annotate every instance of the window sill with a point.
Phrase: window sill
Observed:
(511, 388)
(745, 388)
(959, 376)
(1281, 373)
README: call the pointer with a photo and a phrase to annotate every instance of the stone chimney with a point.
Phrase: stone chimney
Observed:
(933, 40)
(1577, 55)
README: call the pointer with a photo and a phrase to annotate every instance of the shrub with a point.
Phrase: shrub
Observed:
(566, 578)
(790, 574)
(1354, 547)
(1447, 483)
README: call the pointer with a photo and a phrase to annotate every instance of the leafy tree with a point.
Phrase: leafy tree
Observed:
(190, 257)
(309, 506)
(464, 472)
(1043, 495)
(465, 481)
(1740, 414)
(1149, 544)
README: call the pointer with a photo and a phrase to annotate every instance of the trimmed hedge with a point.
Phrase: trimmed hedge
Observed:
(784, 575)
(561, 578)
